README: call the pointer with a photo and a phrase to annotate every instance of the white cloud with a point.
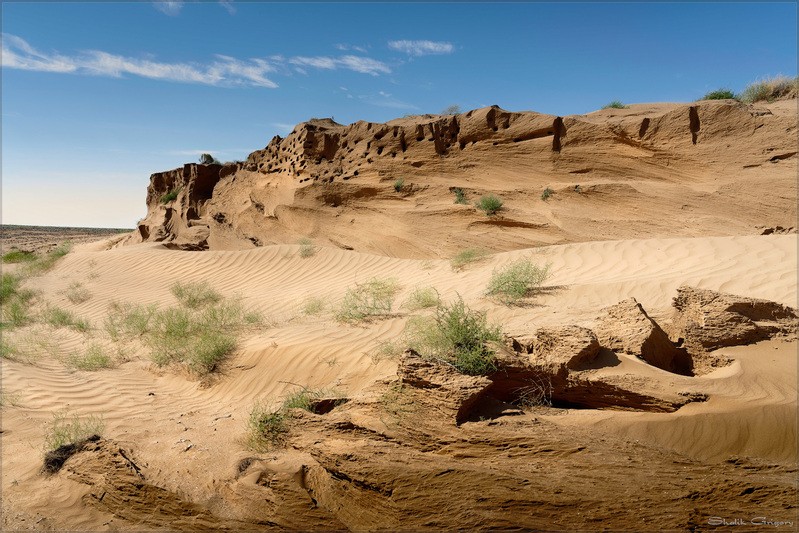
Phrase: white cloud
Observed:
(384, 99)
(348, 47)
(228, 5)
(171, 8)
(422, 48)
(223, 71)
(364, 65)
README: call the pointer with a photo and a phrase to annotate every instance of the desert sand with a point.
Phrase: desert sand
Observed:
(645, 204)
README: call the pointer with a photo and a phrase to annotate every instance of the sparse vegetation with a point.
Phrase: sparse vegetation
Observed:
(516, 280)
(460, 196)
(385, 350)
(170, 196)
(307, 248)
(720, 94)
(367, 300)
(69, 429)
(489, 204)
(313, 305)
(77, 293)
(267, 427)
(208, 159)
(128, 320)
(19, 256)
(195, 295)
(454, 109)
(615, 104)
(466, 257)
(399, 184)
(422, 298)
(62, 318)
(455, 335)
(547, 194)
(94, 358)
(770, 89)
(47, 261)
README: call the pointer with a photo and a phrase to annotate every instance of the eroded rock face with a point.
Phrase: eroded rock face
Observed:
(573, 347)
(625, 327)
(707, 319)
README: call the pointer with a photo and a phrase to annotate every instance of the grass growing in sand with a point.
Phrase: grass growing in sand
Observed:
(128, 320)
(93, 358)
(489, 204)
(307, 248)
(62, 318)
(194, 295)
(422, 298)
(19, 256)
(720, 94)
(466, 257)
(313, 305)
(399, 184)
(68, 429)
(455, 335)
(460, 196)
(77, 293)
(45, 262)
(615, 104)
(547, 194)
(367, 300)
(770, 89)
(267, 427)
(515, 281)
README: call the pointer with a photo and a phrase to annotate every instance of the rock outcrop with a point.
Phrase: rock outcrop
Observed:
(706, 319)
(625, 327)
(336, 183)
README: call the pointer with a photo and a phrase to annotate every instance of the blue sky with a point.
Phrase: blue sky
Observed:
(97, 96)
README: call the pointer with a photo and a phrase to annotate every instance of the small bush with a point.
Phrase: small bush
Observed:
(77, 293)
(303, 398)
(615, 104)
(385, 350)
(770, 89)
(422, 298)
(399, 184)
(9, 286)
(465, 257)
(170, 196)
(489, 204)
(549, 192)
(129, 320)
(313, 305)
(62, 318)
(94, 358)
(47, 261)
(19, 256)
(456, 335)
(720, 94)
(454, 109)
(69, 429)
(267, 427)
(516, 280)
(366, 300)
(194, 295)
(307, 248)
(460, 196)
(15, 314)
(208, 159)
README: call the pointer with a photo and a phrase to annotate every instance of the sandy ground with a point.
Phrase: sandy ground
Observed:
(189, 434)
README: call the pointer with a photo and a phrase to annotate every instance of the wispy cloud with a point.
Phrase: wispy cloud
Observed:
(422, 48)
(348, 47)
(171, 8)
(222, 71)
(384, 99)
(228, 5)
(364, 65)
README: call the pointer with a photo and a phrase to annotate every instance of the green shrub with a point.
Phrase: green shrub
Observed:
(47, 261)
(128, 320)
(267, 427)
(9, 286)
(456, 335)
(77, 293)
(313, 305)
(720, 94)
(307, 248)
(460, 196)
(422, 298)
(549, 192)
(15, 314)
(19, 256)
(366, 300)
(170, 196)
(94, 358)
(516, 280)
(615, 104)
(770, 89)
(468, 256)
(195, 294)
(454, 109)
(489, 204)
(70, 429)
(62, 318)
(399, 184)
